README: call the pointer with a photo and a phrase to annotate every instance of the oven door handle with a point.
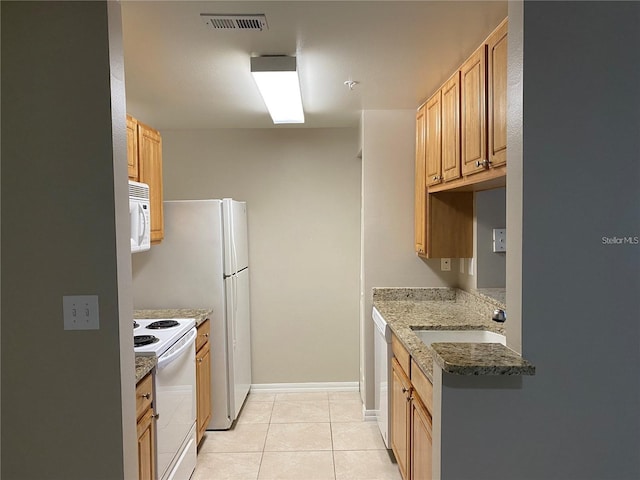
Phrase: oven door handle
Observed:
(178, 349)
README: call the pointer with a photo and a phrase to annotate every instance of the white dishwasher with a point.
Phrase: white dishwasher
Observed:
(383, 355)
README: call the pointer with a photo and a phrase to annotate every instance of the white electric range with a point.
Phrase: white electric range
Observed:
(173, 342)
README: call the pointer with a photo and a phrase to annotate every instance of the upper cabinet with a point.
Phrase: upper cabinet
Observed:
(132, 147)
(461, 147)
(451, 128)
(497, 66)
(473, 100)
(420, 188)
(144, 159)
(466, 122)
(433, 139)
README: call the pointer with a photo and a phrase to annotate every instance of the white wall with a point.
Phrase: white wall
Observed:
(577, 418)
(302, 188)
(389, 258)
(68, 401)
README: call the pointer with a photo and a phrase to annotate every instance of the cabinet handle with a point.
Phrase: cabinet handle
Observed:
(483, 163)
(155, 415)
(206, 335)
(200, 360)
(404, 390)
(436, 178)
(146, 396)
(409, 398)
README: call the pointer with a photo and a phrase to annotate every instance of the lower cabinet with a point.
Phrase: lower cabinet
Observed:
(420, 458)
(146, 429)
(401, 418)
(203, 378)
(411, 421)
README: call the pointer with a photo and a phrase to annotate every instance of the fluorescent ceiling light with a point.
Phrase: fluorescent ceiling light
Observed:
(278, 82)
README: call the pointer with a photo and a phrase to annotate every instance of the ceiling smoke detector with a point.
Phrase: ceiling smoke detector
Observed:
(255, 22)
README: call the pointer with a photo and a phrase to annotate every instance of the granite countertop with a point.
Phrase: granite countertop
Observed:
(409, 309)
(199, 314)
(144, 364)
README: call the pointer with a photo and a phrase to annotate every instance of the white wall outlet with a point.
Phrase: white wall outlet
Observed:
(472, 266)
(80, 312)
(462, 260)
(499, 240)
(445, 264)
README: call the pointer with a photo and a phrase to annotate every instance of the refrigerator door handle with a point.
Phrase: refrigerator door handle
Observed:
(234, 287)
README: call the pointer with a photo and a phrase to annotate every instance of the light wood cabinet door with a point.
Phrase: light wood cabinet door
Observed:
(146, 426)
(203, 388)
(433, 140)
(400, 418)
(420, 190)
(146, 446)
(497, 67)
(150, 172)
(132, 148)
(451, 128)
(421, 444)
(473, 113)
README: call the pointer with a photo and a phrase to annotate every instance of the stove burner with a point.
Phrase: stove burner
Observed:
(163, 324)
(135, 324)
(141, 340)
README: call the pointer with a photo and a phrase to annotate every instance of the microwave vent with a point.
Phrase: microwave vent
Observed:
(139, 190)
(255, 22)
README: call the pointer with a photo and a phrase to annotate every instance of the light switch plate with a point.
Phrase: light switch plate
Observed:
(499, 240)
(80, 312)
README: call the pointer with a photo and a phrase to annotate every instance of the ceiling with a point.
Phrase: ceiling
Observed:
(182, 74)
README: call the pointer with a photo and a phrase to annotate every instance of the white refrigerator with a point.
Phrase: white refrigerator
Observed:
(203, 262)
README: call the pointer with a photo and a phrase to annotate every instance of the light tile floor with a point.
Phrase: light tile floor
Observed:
(297, 436)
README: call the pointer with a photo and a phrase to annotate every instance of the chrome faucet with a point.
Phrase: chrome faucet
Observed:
(499, 315)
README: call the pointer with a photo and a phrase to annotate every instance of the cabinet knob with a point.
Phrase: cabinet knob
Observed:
(483, 163)
(199, 360)
(146, 396)
(404, 390)
(155, 415)
(206, 335)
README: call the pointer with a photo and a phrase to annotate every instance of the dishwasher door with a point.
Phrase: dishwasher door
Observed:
(382, 372)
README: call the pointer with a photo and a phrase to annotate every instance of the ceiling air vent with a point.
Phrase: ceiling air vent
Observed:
(235, 22)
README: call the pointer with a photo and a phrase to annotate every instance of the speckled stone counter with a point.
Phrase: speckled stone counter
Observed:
(409, 309)
(199, 314)
(144, 364)
(480, 359)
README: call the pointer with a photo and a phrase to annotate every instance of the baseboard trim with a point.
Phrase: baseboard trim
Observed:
(369, 415)
(305, 387)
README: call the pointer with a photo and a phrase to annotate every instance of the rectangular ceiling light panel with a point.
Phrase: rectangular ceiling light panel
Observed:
(278, 82)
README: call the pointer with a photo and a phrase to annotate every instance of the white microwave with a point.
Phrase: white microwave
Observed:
(140, 216)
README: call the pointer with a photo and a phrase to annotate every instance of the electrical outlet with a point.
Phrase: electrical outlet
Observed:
(499, 240)
(80, 312)
(445, 264)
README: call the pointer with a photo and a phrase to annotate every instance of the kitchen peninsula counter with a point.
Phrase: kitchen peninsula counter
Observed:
(199, 314)
(408, 309)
